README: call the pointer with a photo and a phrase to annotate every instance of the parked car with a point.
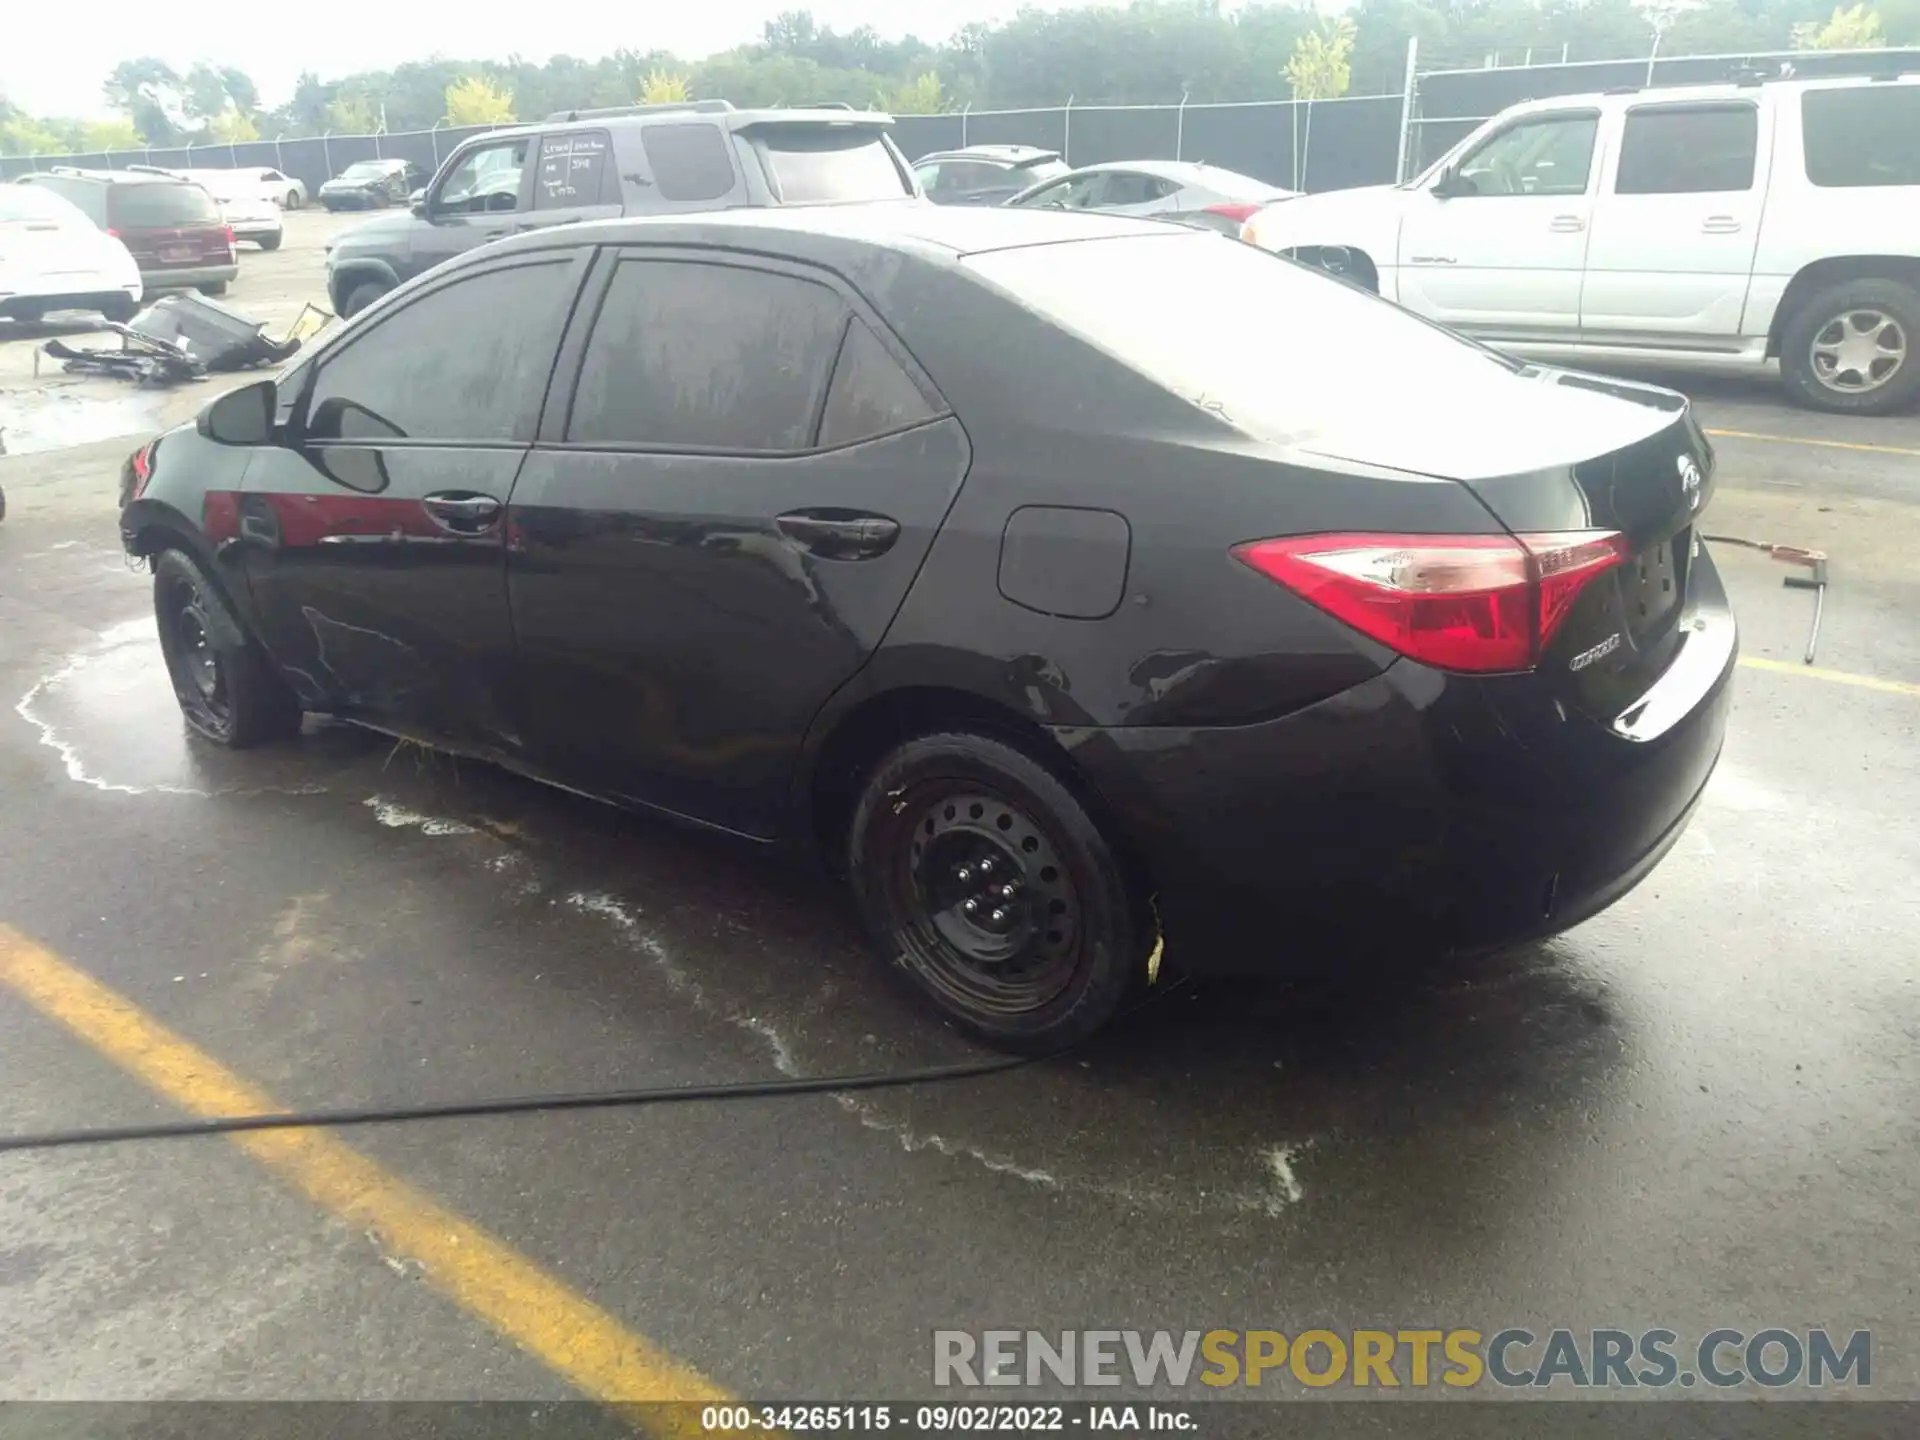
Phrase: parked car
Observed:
(52, 257)
(1194, 194)
(371, 185)
(985, 174)
(636, 160)
(171, 226)
(883, 531)
(251, 182)
(287, 191)
(250, 215)
(1713, 226)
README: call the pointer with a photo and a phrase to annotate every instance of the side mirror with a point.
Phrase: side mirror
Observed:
(240, 417)
(418, 200)
(1452, 184)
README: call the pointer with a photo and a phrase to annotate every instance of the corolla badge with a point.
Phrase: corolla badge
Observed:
(1689, 480)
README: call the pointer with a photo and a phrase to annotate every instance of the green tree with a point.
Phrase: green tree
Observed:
(233, 127)
(663, 87)
(1857, 28)
(111, 135)
(921, 95)
(21, 134)
(147, 91)
(352, 113)
(1320, 68)
(476, 100)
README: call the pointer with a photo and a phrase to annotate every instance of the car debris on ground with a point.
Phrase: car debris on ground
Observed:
(186, 337)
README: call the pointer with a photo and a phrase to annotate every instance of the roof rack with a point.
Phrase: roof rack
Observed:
(153, 170)
(698, 107)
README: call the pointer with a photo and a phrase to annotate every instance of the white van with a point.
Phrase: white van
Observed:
(1721, 226)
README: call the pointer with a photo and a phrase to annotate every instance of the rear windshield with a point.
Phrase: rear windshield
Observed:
(1041, 170)
(1273, 348)
(366, 170)
(150, 205)
(1862, 135)
(28, 204)
(814, 165)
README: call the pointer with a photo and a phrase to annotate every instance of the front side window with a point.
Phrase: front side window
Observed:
(1666, 150)
(1862, 136)
(1129, 188)
(487, 179)
(1551, 155)
(468, 363)
(1074, 194)
(687, 355)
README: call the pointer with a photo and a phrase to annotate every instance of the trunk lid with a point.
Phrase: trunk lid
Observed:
(1581, 453)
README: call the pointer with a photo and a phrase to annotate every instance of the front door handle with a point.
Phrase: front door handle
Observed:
(462, 512)
(1566, 225)
(1720, 225)
(840, 534)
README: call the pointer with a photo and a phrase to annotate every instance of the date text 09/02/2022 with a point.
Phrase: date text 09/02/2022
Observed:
(921, 1419)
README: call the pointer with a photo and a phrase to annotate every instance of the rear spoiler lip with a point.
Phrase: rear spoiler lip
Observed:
(820, 119)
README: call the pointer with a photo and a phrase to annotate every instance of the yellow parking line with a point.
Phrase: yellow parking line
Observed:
(1809, 440)
(1837, 677)
(561, 1328)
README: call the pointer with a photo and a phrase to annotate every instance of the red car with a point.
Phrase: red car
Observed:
(172, 227)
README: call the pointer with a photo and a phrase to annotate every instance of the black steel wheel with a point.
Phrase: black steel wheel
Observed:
(360, 297)
(227, 689)
(982, 876)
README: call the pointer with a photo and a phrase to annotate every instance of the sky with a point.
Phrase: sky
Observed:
(45, 70)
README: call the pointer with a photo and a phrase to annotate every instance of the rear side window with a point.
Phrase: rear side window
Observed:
(1667, 151)
(815, 164)
(690, 161)
(144, 207)
(573, 168)
(1862, 136)
(693, 356)
(470, 362)
(1132, 188)
(871, 394)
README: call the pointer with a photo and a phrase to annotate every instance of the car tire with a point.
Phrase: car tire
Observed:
(120, 311)
(227, 688)
(28, 314)
(941, 820)
(216, 287)
(292, 201)
(1835, 326)
(360, 297)
(270, 242)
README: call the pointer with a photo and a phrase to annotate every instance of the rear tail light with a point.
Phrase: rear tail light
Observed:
(1476, 603)
(114, 233)
(141, 464)
(1239, 214)
(227, 230)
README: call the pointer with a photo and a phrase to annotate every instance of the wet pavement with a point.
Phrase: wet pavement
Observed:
(1696, 1110)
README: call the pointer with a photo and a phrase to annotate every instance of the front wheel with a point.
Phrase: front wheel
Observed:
(360, 297)
(1851, 348)
(292, 201)
(227, 688)
(985, 882)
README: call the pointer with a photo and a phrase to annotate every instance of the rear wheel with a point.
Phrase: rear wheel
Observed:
(292, 201)
(1852, 348)
(989, 887)
(216, 287)
(361, 296)
(227, 688)
(120, 311)
(269, 242)
(29, 314)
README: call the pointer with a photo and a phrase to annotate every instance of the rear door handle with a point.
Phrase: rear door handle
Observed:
(840, 534)
(1720, 225)
(461, 512)
(1567, 225)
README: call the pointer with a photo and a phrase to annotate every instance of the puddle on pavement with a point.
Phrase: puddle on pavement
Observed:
(109, 713)
(55, 417)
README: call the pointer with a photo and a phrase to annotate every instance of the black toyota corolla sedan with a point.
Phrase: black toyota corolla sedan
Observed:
(1070, 583)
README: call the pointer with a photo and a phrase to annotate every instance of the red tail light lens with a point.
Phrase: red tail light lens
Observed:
(114, 233)
(141, 464)
(1476, 603)
(1239, 214)
(227, 230)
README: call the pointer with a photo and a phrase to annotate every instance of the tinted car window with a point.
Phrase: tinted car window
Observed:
(573, 168)
(961, 176)
(1687, 152)
(1863, 135)
(89, 196)
(1134, 189)
(485, 179)
(812, 164)
(690, 161)
(468, 362)
(143, 206)
(871, 394)
(694, 356)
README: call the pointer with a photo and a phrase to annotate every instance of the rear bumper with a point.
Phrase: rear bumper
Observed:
(256, 229)
(1417, 809)
(186, 277)
(69, 292)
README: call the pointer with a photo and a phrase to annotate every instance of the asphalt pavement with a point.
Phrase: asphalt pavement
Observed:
(1697, 1110)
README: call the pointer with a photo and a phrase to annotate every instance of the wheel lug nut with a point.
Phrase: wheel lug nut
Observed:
(965, 873)
(986, 866)
(1007, 892)
(999, 917)
(971, 907)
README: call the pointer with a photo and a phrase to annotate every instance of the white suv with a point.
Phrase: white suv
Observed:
(1720, 226)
